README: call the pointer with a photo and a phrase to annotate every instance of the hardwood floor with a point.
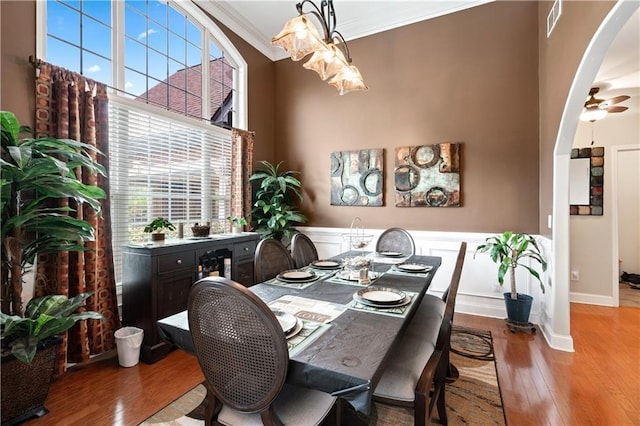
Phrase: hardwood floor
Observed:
(598, 384)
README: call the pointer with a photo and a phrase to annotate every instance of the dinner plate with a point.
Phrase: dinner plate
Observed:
(366, 302)
(287, 321)
(326, 264)
(297, 276)
(345, 275)
(413, 267)
(382, 295)
(390, 253)
(296, 329)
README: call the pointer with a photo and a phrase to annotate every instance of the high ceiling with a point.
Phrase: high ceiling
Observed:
(258, 21)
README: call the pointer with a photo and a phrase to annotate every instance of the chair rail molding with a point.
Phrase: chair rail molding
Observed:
(479, 292)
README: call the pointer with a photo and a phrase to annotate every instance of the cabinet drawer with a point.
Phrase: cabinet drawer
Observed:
(176, 261)
(246, 249)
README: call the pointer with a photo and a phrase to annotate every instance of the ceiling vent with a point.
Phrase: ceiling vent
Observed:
(554, 15)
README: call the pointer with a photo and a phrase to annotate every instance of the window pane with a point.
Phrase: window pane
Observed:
(177, 75)
(177, 100)
(157, 38)
(63, 54)
(177, 48)
(157, 65)
(194, 55)
(194, 105)
(135, 55)
(135, 84)
(63, 22)
(177, 23)
(96, 68)
(140, 5)
(157, 94)
(98, 9)
(135, 24)
(158, 12)
(194, 81)
(194, 34)
(214, 51)
(96, 37)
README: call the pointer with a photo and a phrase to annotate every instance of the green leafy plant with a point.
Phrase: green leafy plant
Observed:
(45, 317)
(508, 250)
(35, 173)
(158, 224)
(274, 211)
(237, 221)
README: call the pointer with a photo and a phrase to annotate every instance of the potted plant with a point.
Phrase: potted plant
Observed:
(274, 212)
(34, 175)
(509, 250)
(156, 225)
(29, 349)
(237, 223)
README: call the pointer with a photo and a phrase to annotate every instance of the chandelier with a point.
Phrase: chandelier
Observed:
(330, 59)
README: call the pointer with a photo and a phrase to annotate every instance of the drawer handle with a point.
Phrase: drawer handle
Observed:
(179, 261)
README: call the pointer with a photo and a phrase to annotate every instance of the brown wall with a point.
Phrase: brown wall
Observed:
(17, 43)
(469, 77)
(559, 57)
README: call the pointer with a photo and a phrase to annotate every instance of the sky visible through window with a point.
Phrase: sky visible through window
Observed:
(162, 49)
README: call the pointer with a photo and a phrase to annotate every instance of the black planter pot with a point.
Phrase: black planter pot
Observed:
(518, 310)
(25, 386)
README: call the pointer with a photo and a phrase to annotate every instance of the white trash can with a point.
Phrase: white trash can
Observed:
(128, 342)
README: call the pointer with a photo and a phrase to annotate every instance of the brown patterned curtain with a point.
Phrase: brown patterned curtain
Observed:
(241, 169)
(68, 105)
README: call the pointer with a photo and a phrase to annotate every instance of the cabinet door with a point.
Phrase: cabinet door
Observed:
(173, 293)
(243, 272)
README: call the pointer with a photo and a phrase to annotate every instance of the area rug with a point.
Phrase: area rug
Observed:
(472, 399)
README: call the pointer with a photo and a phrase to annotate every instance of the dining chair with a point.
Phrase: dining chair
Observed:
(244, 357)
(396, 240)
(271, 258)
(303, 250)
(417, 371)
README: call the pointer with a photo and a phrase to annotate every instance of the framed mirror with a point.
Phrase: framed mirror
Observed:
(586, 181)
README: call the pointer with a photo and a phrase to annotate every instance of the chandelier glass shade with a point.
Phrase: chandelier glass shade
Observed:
(330, 58)
(593, 114)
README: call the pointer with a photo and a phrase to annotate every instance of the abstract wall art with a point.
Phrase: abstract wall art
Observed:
(357, 178)
(428, 175)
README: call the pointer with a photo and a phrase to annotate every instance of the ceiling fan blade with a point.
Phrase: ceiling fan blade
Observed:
(613, 101)
(617, 109)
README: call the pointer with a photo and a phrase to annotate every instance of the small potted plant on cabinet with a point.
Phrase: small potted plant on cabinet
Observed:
(508, 251)
(156, 225)
(237, 223)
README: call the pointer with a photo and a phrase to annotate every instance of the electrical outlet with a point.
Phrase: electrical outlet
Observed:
(575, 275)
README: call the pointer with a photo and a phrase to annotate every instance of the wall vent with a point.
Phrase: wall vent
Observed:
(554, 15)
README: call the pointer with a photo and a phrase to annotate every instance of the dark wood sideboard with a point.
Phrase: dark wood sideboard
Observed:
(157, 278)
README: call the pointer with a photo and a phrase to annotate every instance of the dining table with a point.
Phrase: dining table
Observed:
(343, 345)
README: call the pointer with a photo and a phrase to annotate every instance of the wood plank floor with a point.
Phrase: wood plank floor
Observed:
(598, 384)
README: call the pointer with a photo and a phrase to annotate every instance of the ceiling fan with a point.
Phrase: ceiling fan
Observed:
(596, 109)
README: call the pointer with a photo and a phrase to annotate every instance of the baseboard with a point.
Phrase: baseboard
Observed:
(592, 299)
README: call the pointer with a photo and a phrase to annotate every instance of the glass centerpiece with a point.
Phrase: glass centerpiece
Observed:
(357, 267)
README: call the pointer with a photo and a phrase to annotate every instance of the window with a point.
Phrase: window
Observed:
(172, 73)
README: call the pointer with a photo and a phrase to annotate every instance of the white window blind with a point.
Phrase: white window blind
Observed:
(164, 165)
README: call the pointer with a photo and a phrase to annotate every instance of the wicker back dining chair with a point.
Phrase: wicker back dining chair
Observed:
(417, 372)
(244, 357)
(303, 250)
(396, 240)
(271, 258)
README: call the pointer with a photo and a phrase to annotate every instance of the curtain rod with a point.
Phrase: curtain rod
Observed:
(35, 61)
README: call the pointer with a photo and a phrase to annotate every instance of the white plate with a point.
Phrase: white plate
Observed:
(382, 295)
(390, 253)
(345, 275)
(366, 302)
(287, 321)
(414, 267)
(325, 264)
(296, 275)
(296, 329)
